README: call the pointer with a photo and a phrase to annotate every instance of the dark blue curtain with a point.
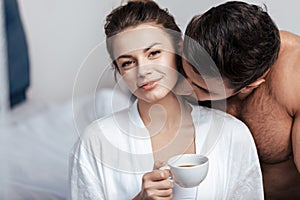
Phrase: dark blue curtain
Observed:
(17, 52)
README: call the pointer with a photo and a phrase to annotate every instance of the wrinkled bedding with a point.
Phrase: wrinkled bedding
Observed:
(35, 142)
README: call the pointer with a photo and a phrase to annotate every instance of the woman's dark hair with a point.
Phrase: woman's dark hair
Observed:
(241, 39)
(138, 12)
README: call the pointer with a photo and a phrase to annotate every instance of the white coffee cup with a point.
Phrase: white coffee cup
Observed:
(188, 170)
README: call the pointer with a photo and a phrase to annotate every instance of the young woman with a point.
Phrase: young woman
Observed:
(118, 157)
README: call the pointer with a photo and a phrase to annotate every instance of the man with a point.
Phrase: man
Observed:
(259, 67)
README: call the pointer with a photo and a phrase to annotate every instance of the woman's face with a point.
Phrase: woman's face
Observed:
(146, 60)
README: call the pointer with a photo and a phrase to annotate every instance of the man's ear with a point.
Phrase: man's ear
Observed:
(244, 92)
(249, 88)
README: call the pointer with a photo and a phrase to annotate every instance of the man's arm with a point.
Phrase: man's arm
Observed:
(290, 59)
(296, 140)
(294, 96)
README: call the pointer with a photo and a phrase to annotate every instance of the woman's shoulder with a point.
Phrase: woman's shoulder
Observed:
(227, 123)
(204, 112)
(105, 124)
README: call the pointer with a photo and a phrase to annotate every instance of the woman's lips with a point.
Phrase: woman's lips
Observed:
(149, 84)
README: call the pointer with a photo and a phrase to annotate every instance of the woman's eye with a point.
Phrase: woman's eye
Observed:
(154, 53)
(127, 63)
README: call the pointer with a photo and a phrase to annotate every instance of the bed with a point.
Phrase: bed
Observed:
(36, 139)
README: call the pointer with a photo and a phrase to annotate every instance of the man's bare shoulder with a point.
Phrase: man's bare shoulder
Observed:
(289, 39)
(284, 78)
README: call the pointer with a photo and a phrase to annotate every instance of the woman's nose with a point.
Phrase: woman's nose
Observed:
(144, 69)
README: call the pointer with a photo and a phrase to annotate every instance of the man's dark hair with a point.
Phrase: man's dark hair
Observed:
(241, 39)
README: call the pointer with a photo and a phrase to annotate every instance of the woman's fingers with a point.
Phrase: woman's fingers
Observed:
(156, 185)
(160, 185)
(160, 194)
(157, 175)
(164, 193)
(158, 164)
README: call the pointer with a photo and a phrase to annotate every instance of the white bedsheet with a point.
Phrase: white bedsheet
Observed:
(34, 149)
(35, 143)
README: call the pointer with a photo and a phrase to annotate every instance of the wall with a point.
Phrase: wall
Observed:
(61, 34)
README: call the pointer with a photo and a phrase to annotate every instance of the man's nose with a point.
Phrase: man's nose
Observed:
(188, 80)
(184, 87)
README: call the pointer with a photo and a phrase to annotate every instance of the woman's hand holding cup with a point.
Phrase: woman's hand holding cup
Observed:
(156, 184)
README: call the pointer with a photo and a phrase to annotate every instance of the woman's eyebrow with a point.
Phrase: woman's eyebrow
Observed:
(151, 46)
(124, 56)
(145, 50)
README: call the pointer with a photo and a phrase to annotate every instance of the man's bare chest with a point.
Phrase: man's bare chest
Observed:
(270, 125)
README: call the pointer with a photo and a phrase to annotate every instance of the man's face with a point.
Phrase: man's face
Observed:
(207, 88)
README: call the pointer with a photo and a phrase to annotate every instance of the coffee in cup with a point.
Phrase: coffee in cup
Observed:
(188, 170)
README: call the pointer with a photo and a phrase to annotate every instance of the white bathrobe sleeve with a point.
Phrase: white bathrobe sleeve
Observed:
(84, 174)
(245, 177)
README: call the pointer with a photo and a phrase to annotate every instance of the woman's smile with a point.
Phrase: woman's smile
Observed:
(149, 85)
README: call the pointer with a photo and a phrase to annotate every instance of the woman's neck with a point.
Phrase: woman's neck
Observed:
(170, 126)
(164, 113)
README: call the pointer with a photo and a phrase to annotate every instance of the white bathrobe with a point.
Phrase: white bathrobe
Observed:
(110, 158)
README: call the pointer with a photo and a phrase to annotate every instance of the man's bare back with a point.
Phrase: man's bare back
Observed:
(272, 114)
